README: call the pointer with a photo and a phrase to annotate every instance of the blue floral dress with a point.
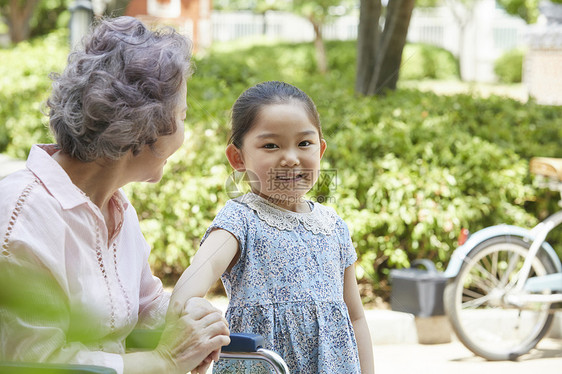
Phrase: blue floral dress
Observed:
(288, 284)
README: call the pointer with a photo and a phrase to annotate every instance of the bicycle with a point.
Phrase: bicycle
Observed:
(505, 281)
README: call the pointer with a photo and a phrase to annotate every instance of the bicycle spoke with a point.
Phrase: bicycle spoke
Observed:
(475, 303)
(495, 264)
(487, 277)
(477, 282)
(472, 294)
(486, 262)
(505, 281)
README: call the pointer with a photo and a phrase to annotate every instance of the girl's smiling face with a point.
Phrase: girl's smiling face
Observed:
(281, 155)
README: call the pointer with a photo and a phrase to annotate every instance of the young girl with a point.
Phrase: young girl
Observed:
(287, 263)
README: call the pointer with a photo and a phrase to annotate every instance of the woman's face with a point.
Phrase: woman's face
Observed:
(149, 164)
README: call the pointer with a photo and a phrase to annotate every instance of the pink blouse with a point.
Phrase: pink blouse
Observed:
(68, 293)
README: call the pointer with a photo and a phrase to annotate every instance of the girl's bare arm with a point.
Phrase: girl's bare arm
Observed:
(214, 256)
(357, 316)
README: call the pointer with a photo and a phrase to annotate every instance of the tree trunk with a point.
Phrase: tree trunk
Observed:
(19, 16)
(463, 13)
(389, 24)
(390, 69)
(379, 54)
(367, 43)
(461, 56)
(321, 58)
(264, 23)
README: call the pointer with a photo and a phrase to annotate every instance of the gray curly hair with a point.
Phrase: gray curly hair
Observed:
(120, 92)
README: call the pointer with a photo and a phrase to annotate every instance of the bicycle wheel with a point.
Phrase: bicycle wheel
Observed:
(474, 301)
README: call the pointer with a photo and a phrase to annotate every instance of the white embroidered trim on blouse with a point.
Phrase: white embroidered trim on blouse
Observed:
(321, 220)
(15, 215)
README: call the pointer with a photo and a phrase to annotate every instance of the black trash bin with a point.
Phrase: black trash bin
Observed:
(418, 291)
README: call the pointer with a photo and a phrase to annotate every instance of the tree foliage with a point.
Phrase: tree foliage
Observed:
(526, 9)
(115, 8)
(49, 15)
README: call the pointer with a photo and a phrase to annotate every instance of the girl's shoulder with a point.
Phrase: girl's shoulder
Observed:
(234, 208)
(331, 215)
(241, 204)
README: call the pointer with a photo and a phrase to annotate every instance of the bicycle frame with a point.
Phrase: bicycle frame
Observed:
(459, 255)
(540, 232)
(537, 236)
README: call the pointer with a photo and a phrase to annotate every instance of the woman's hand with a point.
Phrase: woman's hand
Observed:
(193, 336)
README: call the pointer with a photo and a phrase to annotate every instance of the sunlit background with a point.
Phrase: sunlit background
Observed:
(431, 110)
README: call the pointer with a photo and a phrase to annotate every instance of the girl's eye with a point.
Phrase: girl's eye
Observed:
(270, 146)
(305, 143)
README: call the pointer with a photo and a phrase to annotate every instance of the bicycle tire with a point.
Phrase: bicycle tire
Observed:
(479, 315)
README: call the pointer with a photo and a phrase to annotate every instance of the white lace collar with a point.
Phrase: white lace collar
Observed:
(321, 220)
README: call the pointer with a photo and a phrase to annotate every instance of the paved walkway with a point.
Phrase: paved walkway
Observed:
(454, 358)
(397, 349)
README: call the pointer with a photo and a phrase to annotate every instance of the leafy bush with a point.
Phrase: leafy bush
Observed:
(411, 168)
(424, 61)
(24, 87)
(509, 66)
(414, 168)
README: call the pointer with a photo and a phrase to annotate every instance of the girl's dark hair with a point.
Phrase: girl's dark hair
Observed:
(249, 104)
(119, 93)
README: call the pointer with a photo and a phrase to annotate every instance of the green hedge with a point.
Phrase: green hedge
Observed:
(411, 168)
(24, 87)
(421, 61)
(509, 66)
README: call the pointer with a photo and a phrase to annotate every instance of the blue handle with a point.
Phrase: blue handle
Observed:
(244, 342)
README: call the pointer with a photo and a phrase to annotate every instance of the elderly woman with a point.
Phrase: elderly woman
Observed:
(74, 272)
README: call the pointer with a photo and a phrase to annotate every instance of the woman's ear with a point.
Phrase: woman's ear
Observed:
(323, 146)
(234, 156)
